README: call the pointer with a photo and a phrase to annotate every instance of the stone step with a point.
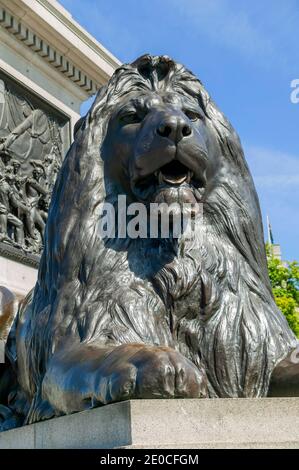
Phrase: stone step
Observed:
(168, 424)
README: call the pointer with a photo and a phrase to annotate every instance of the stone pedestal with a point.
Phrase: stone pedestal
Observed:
(162, 424)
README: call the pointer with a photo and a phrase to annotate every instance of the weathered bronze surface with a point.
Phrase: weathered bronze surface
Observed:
(32, 141)
(112, 319)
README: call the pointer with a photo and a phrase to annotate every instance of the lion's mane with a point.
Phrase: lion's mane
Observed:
(88, 290)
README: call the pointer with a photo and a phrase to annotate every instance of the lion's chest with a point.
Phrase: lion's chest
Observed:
(176, 279)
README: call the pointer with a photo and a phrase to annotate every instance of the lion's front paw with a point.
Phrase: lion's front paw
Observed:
(138, 371)
(119, 385)
(163, 372)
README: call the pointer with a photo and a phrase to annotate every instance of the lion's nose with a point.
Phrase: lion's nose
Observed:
(174, 128)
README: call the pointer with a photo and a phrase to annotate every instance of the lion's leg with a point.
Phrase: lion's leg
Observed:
(285, 377)
(89, 376)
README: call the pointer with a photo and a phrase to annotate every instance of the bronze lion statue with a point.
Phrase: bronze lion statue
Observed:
(118, 318)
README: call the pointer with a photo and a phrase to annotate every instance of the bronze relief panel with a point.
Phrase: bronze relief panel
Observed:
(33, 140)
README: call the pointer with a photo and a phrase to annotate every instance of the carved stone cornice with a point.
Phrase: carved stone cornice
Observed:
(48, 53)
(91, 66)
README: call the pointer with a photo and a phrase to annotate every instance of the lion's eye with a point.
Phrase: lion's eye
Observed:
(192, 115)
(130, 118)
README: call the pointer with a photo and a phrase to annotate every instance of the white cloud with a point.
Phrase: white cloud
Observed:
(226, 24)
(257, 30)
(277, 181)
(276, 176)
(273, 169)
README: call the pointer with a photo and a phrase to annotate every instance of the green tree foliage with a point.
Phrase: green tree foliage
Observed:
(284, 279)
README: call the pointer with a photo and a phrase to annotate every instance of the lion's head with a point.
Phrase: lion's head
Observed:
(159, 146)
(154, 134)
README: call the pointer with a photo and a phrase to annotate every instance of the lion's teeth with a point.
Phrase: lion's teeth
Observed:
(174, 180)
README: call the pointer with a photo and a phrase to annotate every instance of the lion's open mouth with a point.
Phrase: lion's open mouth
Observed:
(174, 172)
(172, 182)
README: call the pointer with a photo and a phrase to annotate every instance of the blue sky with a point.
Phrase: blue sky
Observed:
(246, 53)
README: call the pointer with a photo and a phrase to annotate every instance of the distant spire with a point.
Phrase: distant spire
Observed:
(270, 234)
